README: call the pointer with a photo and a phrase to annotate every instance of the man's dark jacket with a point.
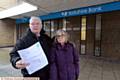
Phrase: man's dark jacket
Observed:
(26, 41)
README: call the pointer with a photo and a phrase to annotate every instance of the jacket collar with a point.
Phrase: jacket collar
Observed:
(59, 46)
(30, 33)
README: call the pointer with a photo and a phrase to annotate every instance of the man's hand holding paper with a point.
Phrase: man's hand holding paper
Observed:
(21, 64)
(35, 57)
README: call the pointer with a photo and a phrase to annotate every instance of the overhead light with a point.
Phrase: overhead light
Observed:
(17, 10)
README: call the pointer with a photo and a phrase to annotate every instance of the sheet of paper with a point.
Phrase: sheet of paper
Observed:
(35, 56)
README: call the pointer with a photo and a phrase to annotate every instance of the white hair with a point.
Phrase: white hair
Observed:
(34, 18)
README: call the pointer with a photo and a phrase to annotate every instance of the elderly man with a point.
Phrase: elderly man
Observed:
(34, 34)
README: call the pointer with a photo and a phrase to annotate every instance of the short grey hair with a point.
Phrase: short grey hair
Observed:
(34, 18)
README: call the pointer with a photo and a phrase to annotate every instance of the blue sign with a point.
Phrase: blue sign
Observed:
(22, 20)
(113, 6)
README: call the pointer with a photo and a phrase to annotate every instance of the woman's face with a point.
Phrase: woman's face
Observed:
(61, 38)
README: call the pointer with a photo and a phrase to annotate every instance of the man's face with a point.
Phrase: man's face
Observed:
(35, 26)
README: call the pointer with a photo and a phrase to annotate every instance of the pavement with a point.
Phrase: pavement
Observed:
(91, 68)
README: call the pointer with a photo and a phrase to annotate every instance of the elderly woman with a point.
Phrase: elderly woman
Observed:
(64, 60)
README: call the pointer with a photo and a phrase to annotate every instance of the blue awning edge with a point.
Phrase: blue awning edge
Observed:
(107, 7)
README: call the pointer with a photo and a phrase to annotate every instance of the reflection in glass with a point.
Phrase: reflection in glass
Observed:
(47, 26)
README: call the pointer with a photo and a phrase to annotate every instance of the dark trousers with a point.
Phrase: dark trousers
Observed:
(43, 76)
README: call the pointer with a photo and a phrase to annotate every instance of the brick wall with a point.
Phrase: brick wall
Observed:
(111, 35)
(7, 27)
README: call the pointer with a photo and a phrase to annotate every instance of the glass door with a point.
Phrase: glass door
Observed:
(83, 35)
(90, 34)
(73, 29)
(47, 27)
(98, 36)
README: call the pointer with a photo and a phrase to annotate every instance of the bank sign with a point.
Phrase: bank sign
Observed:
(113, 6)
(82, 11)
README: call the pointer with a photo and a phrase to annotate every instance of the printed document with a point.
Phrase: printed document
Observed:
(35, 56)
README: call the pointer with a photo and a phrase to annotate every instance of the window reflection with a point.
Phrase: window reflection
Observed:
(83, 28)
